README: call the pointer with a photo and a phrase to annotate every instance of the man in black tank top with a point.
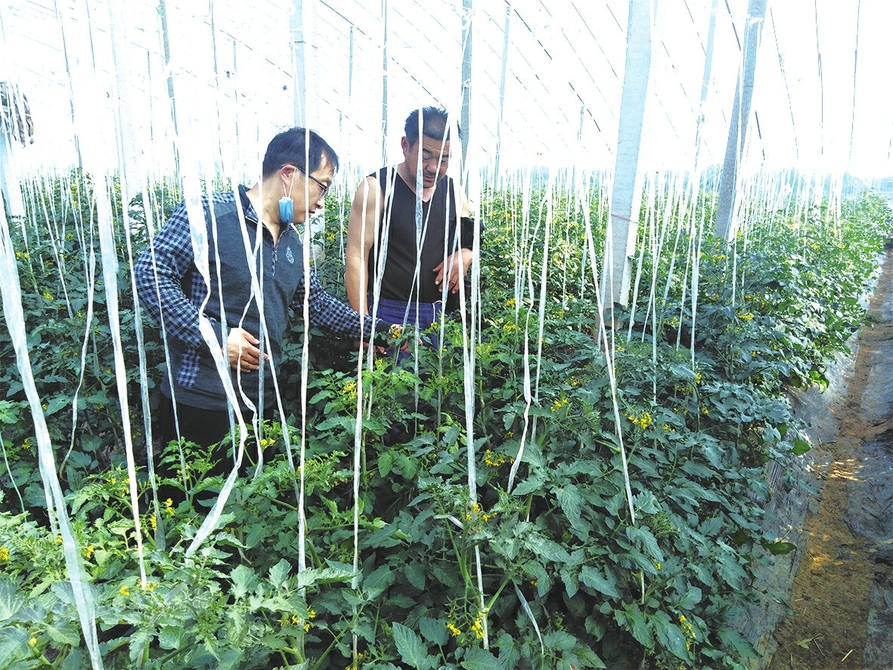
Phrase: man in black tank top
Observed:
(410, 239)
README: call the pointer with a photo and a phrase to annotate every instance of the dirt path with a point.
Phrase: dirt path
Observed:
(835, 596)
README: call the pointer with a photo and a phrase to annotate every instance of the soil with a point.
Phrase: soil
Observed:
(833, 622)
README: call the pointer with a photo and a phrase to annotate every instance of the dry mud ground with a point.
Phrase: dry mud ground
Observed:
(841, 607)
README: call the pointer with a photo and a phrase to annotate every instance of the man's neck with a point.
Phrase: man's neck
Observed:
(267, 213)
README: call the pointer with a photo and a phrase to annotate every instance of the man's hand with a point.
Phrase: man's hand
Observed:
(242, 349)
(454, 269)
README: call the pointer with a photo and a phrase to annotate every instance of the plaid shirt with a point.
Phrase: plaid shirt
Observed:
(161, 282)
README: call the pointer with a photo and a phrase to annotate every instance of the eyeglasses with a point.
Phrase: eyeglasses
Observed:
(323, 187)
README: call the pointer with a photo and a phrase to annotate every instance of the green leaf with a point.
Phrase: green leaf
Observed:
(406, 466)
(645, 540)
(415, 575)
(779, 547)
(68, 636)
(11, 600)
(434, 630)
(734, 641)
(385, 463)
(594, 580)
(533, 483)
(9, 412)
(338, 421)
(800, 447)
(378, 581)
(411, 648)
(138, 643)
(670, 637)
(730, 571)
(170, 637)
(339, 572)
(279, 573)
(57, 403)
(559, 640)
(691, 598)
(571, 584)
(479, 659)
(631, 618)
(244, 580)
(571, 504)
(450, 437)
(547, 549)
(646, 503)
(13, 646)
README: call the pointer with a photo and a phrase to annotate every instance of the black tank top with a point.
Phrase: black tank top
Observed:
(398, 230)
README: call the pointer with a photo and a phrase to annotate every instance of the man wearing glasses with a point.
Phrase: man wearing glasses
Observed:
(410, 239)
(240, 288)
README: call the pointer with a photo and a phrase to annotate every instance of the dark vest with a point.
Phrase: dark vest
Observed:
(397, 243)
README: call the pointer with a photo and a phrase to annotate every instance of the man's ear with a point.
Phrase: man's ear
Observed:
(287, 176)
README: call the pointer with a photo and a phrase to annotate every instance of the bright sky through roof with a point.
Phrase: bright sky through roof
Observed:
(564, 71)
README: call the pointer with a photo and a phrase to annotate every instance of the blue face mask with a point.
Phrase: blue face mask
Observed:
(286, 210)
(286, 206)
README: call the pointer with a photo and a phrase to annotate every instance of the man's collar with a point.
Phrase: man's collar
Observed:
(247, 206)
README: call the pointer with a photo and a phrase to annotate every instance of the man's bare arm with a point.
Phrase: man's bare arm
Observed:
(362, 230)
(458, 263)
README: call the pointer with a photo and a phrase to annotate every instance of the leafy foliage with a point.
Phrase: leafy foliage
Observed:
(557, 571)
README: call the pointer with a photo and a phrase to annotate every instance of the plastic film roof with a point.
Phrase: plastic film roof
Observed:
(215, 79)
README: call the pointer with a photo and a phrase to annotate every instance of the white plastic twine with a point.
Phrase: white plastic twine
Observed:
(15, 321)
(200, 250)
(110, 282)
(609, 354)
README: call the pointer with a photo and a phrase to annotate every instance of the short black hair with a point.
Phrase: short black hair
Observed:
(435, 124)
(300, 147)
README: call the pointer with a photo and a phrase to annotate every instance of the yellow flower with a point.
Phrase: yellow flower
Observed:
(88, 552)
(641, 421)
(494, 460)
(455, 631)
(32, 642)
(4, 554)
(124, 591)
(350, 390)
(58, 539)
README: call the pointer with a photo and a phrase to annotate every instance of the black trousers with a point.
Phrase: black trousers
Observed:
(203, 426)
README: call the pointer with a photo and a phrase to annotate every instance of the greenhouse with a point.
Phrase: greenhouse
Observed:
(480, 334)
